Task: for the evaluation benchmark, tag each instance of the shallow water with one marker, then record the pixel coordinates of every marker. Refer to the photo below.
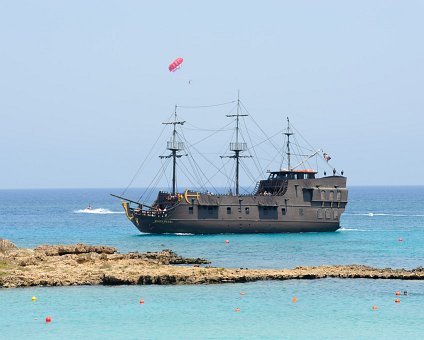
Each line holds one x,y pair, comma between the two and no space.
325,309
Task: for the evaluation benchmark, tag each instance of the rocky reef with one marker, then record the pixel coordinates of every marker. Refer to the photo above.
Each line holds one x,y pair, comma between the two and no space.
81,264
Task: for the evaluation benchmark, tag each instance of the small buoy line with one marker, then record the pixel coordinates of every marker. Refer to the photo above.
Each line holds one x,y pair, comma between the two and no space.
48,318
397,300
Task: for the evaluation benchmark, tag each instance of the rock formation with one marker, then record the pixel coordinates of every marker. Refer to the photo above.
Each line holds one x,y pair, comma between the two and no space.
82,264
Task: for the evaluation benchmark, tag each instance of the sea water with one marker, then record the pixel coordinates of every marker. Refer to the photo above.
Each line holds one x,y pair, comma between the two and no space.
382,227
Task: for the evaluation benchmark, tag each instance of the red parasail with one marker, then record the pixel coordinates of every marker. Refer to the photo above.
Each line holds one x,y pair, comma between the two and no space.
175,64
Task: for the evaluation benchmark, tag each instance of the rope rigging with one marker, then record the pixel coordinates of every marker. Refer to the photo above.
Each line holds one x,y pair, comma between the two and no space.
204,106
201,177
144,161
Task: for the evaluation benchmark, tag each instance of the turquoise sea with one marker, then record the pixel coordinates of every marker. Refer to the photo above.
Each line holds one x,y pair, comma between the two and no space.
382,226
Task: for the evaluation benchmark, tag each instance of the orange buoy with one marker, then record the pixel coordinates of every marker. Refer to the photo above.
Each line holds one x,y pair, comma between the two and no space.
227,241
294,300
237,309
141,302
48,319
397,293
397,300
374,307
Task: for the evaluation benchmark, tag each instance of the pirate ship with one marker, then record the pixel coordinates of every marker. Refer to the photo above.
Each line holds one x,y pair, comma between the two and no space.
292,199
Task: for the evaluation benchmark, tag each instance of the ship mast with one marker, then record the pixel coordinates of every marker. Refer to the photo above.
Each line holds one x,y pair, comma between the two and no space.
174,145
288,133
237,147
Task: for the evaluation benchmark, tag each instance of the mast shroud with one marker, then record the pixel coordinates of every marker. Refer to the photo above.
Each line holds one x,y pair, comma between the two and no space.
237,147
174,145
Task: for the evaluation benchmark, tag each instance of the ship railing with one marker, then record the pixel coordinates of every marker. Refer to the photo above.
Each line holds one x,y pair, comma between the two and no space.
154,213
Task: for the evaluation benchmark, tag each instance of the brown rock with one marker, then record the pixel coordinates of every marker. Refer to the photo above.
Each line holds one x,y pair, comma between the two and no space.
80,264
52,250
6,246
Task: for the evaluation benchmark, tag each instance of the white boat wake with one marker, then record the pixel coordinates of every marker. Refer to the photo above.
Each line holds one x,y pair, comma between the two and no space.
351,229
370,214
98,211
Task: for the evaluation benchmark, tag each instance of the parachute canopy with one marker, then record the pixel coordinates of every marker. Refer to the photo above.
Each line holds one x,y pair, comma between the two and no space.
175,64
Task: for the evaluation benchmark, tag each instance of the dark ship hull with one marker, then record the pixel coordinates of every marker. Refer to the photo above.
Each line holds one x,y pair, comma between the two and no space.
279,206
165,226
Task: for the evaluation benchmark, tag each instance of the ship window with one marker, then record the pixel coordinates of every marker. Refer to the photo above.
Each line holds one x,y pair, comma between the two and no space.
307,195
268,213
335,214
339,195
205,212
322,195
327,213
228,210
247,210
190,210
283,211
320,214
331,195
300,211
300,176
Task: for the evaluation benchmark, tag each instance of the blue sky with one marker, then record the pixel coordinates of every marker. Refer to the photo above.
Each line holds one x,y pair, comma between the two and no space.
84,85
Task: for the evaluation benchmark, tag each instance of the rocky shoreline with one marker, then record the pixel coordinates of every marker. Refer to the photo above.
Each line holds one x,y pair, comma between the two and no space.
80,264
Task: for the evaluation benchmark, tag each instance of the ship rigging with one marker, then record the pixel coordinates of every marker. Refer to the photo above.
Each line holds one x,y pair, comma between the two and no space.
264,206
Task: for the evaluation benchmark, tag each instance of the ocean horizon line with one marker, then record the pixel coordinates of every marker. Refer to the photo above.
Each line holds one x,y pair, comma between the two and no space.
144,188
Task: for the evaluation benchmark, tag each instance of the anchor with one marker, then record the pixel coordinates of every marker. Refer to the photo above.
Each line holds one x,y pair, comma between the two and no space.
192,195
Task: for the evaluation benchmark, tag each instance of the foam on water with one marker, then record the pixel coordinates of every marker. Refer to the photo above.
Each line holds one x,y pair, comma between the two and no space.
371,214
98,211
181,234
351,229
